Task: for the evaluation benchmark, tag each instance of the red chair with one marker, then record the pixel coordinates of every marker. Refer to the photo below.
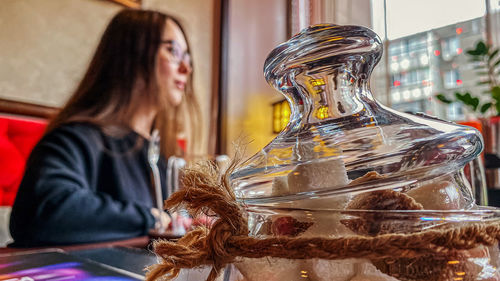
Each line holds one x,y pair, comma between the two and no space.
18,136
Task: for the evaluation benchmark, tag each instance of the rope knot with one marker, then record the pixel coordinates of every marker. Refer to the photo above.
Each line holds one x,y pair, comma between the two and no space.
219,236
204,192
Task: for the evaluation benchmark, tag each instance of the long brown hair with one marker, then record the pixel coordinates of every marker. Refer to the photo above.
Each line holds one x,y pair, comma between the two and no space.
125,56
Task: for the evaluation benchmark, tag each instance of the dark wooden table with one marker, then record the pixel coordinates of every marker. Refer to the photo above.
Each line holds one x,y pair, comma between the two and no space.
142,242
138,242
132,255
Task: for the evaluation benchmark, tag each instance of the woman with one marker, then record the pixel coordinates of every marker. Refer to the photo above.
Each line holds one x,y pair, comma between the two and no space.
88,178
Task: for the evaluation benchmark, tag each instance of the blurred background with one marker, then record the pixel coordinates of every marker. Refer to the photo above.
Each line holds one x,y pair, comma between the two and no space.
46,46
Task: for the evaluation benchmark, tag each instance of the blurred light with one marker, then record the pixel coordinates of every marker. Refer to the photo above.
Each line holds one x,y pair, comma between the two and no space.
396,97
394,66
394,58
427,91
405,64
417,93
424,59
406,95
459,51
397,83
317,82
437,53
281,115
322,112
459,82
459,30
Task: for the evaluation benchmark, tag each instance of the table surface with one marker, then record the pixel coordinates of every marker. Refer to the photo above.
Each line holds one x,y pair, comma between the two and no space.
135,260
138,242
132,255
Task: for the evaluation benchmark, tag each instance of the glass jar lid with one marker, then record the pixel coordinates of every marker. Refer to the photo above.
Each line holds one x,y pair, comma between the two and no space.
337,131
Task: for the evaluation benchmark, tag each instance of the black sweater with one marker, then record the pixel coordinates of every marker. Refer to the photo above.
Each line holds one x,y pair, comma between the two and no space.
82,186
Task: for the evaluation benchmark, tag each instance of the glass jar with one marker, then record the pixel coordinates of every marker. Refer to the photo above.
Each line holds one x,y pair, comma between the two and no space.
386,187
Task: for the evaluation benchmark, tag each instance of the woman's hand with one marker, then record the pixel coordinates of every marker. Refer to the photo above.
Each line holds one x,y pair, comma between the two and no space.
162,220
176,223
181,223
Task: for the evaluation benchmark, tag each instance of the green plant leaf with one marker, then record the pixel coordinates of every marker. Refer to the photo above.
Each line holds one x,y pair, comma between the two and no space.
468,99
460,97
492,55
474,103
482,48
496,63
465,98
485,107
472,52
495,93
442,98
486,92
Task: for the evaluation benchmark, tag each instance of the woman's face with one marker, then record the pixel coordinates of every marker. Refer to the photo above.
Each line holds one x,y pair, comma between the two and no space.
173,64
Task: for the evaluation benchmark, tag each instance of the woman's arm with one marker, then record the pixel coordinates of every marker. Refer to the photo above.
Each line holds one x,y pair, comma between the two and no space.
55,203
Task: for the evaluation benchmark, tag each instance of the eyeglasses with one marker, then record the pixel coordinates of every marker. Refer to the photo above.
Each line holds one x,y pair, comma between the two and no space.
176,55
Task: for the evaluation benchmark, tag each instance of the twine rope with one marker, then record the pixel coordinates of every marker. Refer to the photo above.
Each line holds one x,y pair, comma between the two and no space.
205,192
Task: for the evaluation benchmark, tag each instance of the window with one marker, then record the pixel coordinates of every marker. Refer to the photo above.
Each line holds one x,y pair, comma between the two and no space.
418,43
398,48
396,80
452,79
450,47
423,76
427,40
